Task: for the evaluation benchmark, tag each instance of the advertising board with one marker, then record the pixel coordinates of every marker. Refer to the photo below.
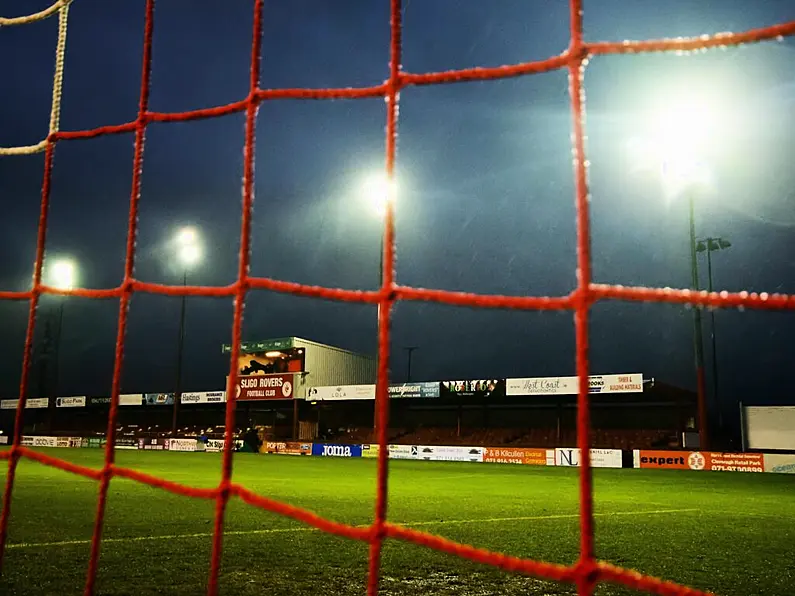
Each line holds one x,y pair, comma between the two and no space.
455,453
92,442
217,445
413,390
31,402
623,383
261,387
340,392
699,460
470,388
43,442
159,399
203,397
131,399
336,450
402,451
600,458
778,463
152,444
286,448
70,402
371,450
125,443
181,445
515,455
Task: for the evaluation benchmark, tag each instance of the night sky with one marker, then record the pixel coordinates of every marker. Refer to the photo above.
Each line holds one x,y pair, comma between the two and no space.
486,198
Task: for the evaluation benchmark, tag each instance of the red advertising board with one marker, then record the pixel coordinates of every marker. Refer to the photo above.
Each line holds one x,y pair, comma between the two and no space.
258,387
701,460
515,455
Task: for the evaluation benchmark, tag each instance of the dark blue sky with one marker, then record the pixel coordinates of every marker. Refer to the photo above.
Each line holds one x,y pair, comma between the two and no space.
485,172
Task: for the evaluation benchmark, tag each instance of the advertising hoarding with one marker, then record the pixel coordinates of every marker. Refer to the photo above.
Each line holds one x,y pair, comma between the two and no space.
31,402
402,451
699,460
286,448
444,453
203,397
131,399
779,463
371,450
600,458
340,392
469,388
414,390
515,455
622,383
159,399
70,402
262,387
152,444
181,445
333,450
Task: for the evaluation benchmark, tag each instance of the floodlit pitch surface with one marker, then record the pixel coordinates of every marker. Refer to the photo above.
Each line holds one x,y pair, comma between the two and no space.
730,533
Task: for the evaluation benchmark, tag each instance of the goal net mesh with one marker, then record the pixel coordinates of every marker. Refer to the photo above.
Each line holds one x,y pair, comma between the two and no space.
588,571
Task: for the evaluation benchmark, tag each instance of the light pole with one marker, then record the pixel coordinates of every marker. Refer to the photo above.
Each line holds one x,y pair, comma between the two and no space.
62,276
710,245
380,191
677,147
188,254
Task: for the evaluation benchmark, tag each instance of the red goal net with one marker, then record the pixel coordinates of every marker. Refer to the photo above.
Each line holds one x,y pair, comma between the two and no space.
587,572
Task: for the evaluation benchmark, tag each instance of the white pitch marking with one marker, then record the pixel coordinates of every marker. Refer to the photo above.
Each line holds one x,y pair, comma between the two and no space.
311,529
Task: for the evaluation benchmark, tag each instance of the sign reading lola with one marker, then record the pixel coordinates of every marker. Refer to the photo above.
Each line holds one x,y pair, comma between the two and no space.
624,383
257,387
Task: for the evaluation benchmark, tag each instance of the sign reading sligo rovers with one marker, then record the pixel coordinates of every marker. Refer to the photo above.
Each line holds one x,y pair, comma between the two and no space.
256,387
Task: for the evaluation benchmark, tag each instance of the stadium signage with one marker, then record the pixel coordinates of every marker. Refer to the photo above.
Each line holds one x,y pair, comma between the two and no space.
413,390
469,388
516,455
700,460
36,402
336,450
442,453
131,399
203,397
257,387
159,399
779,463
70,402
600,458
341,392
181,445
623,383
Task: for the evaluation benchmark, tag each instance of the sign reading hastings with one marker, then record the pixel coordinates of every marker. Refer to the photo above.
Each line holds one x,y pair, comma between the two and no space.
257,387
623,383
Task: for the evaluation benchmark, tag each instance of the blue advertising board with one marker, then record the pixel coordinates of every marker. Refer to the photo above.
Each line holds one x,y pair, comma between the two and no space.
411,390
159,399
336,450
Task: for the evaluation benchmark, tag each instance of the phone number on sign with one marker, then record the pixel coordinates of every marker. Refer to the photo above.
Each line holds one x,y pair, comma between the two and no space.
726,468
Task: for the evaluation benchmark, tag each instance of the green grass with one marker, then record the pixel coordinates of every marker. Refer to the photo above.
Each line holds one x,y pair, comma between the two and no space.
733,534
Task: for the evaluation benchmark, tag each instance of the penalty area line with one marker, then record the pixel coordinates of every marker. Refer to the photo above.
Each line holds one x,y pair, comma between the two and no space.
488,520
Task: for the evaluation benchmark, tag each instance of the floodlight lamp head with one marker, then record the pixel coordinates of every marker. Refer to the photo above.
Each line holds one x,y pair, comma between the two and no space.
63,274
380,190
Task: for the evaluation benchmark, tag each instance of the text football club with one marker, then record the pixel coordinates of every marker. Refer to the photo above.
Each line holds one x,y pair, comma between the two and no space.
256,387
336,450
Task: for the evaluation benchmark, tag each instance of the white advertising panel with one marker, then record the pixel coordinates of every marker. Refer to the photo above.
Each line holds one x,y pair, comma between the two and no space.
600,458
770,427
43,442
778,463
131,399
182,445
203,397
340,392
70,402
217,445
623,383
403,451
36,402
456,453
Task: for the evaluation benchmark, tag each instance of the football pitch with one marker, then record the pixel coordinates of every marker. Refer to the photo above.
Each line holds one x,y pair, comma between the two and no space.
731,533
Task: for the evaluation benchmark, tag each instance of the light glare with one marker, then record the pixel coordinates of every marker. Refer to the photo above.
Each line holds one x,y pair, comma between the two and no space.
63,274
